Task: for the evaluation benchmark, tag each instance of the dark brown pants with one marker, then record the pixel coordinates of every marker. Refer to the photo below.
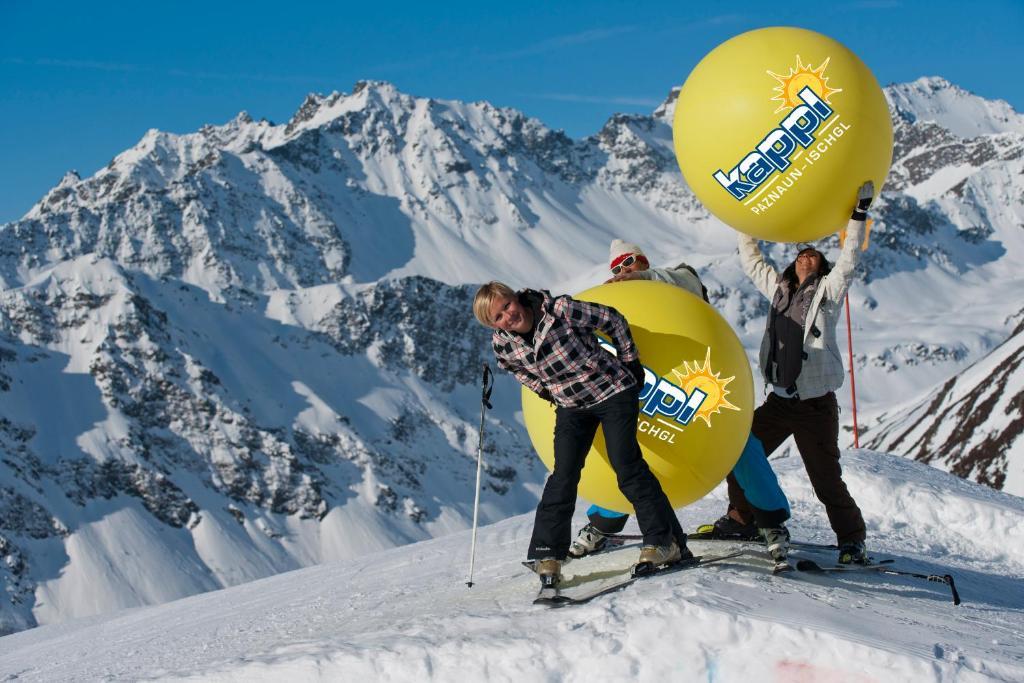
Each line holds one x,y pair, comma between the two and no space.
814,424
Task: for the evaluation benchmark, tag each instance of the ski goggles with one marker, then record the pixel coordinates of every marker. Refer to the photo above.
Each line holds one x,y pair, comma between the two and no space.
628,261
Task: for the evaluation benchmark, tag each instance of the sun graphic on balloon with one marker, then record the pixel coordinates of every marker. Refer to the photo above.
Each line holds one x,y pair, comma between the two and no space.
701,377
796,80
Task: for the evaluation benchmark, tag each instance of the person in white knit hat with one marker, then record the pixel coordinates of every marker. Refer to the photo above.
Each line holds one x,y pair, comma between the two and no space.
628,262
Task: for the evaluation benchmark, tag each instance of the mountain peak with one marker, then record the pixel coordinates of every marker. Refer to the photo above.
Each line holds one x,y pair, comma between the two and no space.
963,113
70,178
935,84
667,109
384,87
379,93
317,109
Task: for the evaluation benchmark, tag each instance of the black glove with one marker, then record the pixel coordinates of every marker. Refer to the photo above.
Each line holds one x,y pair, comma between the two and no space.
546,395
865,194
637,370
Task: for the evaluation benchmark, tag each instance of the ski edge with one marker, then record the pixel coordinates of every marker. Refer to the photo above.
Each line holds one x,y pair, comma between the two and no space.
884,567
560,600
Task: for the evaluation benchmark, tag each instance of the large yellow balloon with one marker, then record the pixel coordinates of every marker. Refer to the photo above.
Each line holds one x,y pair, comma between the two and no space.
775,130
696,407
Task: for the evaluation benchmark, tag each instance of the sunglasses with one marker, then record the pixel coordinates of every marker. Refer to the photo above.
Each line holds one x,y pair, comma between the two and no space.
626,262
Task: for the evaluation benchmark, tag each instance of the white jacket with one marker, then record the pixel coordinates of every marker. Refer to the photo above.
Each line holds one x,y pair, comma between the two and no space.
680,276
822,370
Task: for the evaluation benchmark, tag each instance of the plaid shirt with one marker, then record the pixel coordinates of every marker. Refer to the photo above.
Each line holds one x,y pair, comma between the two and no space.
565,357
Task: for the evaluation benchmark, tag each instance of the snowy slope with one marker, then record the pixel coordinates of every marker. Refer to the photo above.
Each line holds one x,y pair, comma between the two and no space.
249,349
157,444
406,614
971,425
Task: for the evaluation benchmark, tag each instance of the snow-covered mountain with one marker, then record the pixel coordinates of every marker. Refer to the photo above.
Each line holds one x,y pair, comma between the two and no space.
405,614
249,348
970,424
955,109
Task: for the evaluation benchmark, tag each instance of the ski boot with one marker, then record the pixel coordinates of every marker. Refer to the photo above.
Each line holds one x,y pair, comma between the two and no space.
853,553
655,557
589,540
777,541
725,527
550,572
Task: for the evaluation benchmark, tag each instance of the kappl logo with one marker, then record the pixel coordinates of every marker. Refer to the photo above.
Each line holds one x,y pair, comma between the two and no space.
667,404
804,93
774,151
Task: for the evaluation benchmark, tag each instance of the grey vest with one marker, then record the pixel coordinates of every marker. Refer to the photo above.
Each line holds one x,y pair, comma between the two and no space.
786,331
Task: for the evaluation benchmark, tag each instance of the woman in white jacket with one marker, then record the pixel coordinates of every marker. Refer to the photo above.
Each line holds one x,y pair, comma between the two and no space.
802,365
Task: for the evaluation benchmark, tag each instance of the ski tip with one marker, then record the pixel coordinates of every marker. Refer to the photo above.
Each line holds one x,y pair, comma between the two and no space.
642,569
553,601
703,531
808,566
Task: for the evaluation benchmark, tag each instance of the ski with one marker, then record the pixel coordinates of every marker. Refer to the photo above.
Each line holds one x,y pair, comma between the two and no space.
562,599
707,532
611,545
812,566
545,594
883,567
780,567
699,535
704,533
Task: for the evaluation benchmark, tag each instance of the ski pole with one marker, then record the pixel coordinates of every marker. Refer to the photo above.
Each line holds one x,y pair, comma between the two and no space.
853,381
937,578
485,404
849,335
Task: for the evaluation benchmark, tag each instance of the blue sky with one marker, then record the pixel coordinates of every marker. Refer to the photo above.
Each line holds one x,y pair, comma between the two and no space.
80,82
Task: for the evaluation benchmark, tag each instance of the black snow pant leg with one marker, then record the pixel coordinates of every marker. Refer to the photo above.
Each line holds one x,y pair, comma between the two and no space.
654,514
574,433
817,440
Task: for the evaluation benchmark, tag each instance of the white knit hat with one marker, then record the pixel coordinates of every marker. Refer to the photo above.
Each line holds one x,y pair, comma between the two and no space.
620,249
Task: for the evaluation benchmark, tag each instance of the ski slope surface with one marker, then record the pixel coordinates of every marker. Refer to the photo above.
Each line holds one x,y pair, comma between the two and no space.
406,613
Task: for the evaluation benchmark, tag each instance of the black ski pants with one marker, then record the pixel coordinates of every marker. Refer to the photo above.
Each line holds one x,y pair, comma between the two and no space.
814,425
575,429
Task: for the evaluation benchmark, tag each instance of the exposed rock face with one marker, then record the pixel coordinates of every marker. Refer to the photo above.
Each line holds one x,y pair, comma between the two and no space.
972,425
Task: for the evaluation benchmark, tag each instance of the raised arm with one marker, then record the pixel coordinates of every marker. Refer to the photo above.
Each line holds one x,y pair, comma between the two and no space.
838,281
760,272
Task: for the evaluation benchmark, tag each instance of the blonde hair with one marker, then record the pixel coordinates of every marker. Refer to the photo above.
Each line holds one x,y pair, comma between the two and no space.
485,296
